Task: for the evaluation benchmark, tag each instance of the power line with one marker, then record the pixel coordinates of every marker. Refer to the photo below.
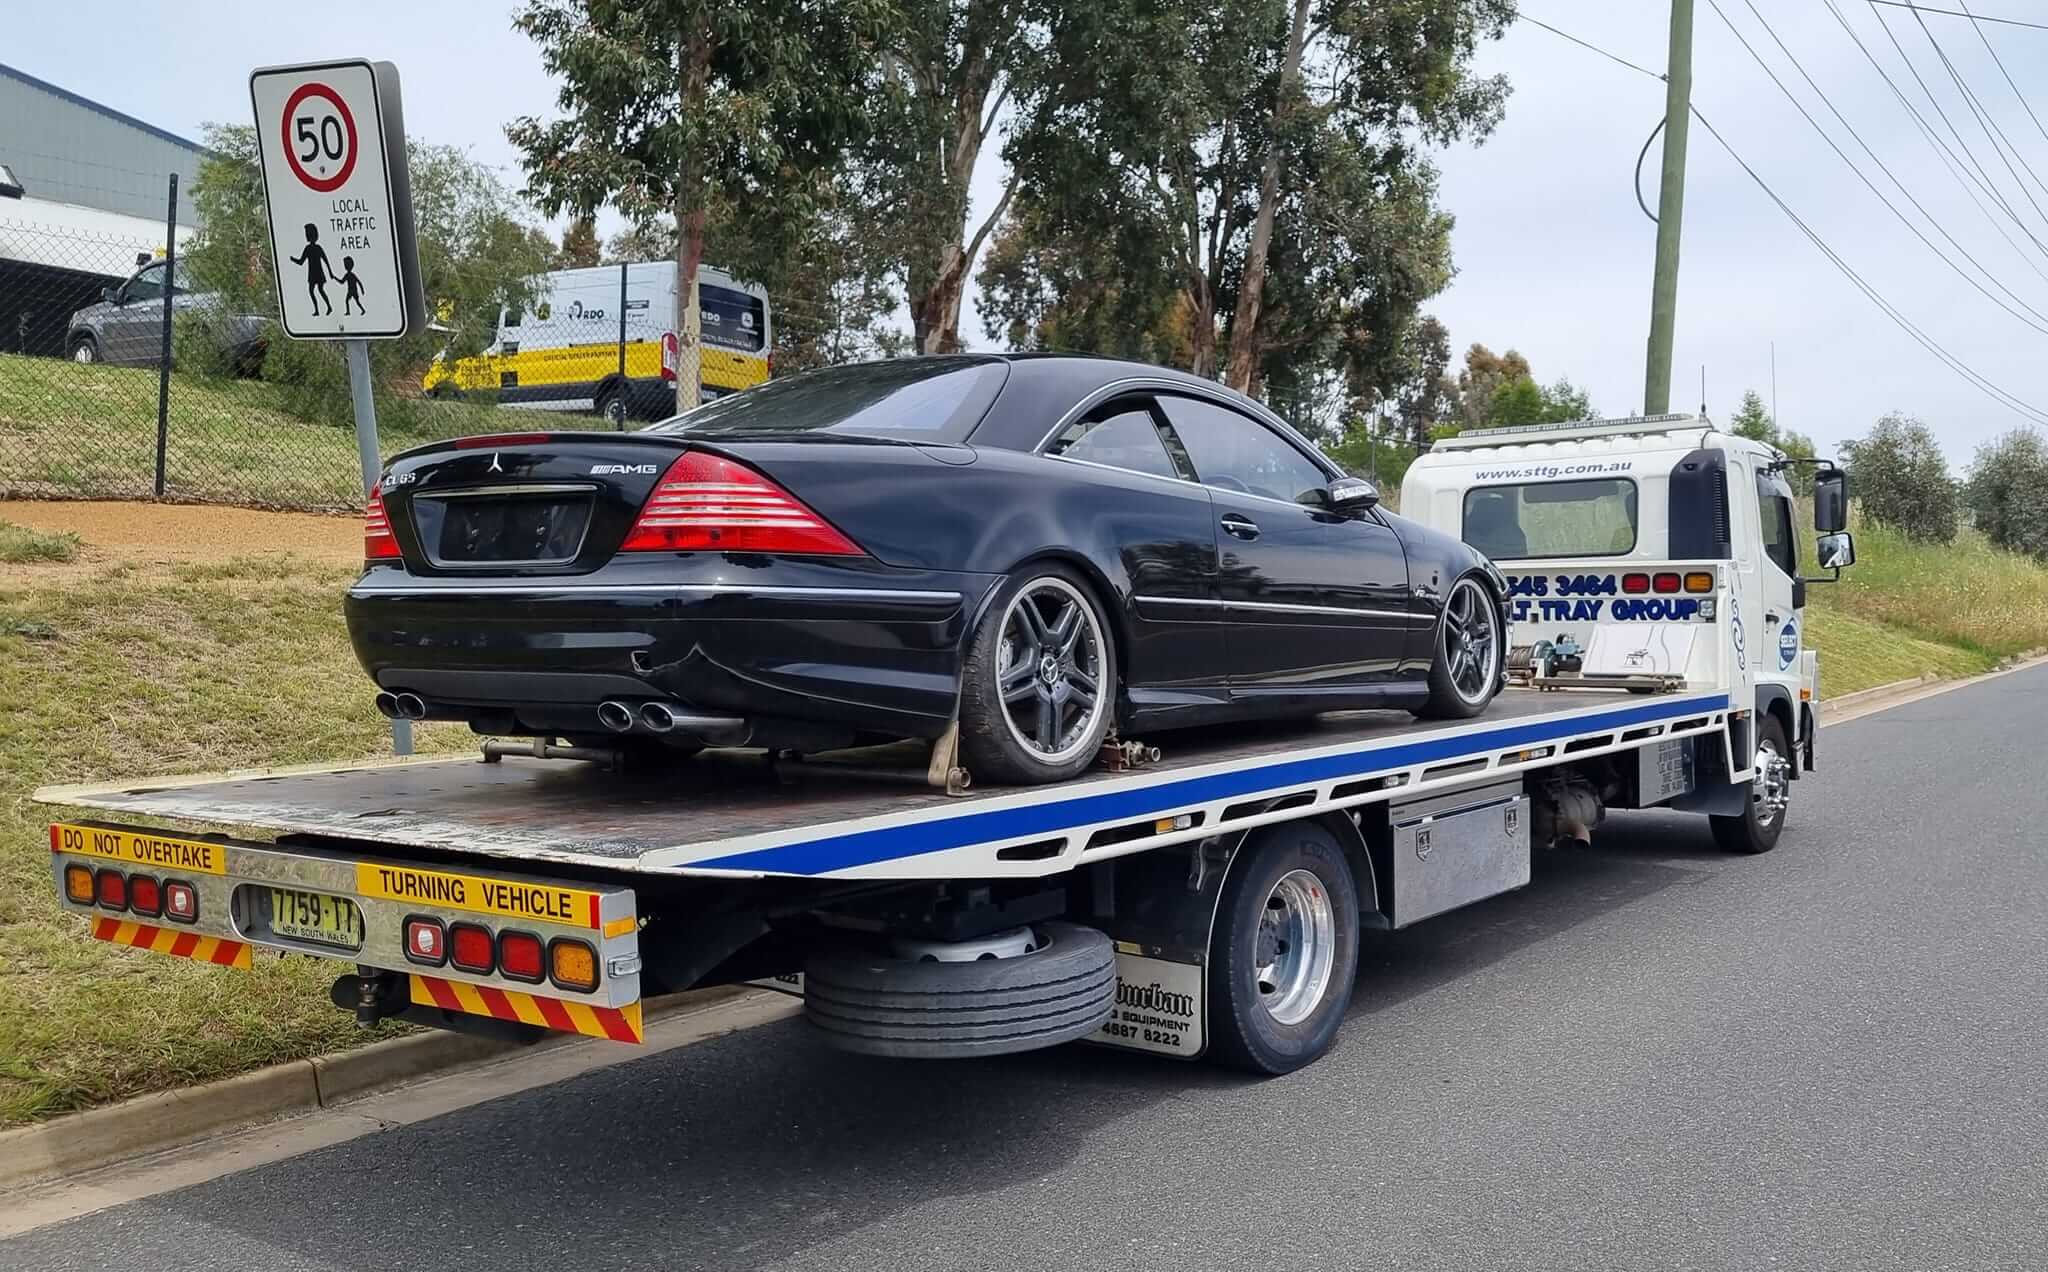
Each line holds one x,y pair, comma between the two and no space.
1865,179
1593,47
2000,63
1953,13
1992,132
2011,402
1942,151
1989,389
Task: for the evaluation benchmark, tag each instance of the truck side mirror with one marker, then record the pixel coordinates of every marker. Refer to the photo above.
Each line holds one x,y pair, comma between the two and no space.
1830,501
1835,551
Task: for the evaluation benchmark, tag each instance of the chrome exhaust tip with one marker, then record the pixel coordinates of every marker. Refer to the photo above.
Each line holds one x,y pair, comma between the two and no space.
616,716
387,704
658,717
410,706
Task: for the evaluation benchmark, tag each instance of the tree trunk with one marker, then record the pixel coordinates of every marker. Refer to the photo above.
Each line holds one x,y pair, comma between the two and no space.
1244,340
1201,330
689,319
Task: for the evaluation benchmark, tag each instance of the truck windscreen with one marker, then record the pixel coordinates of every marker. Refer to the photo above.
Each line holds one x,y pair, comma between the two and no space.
1552,519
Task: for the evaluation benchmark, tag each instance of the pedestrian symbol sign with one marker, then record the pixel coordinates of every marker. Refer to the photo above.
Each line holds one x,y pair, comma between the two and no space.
331,139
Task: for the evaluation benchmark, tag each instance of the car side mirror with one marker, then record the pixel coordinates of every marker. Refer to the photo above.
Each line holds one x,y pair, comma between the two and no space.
1835,551
1352,494
110,296
1830,501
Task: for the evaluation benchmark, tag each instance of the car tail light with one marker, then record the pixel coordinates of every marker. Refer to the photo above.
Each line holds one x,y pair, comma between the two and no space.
572,965
471,949
112,889
1635,584
426,941
520,957
707,503
378,541
1699,582
1665,583
145,896
78,885
181,901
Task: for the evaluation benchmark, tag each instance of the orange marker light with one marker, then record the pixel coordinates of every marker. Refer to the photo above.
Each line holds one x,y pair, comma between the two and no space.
78,884
572,965
1699,582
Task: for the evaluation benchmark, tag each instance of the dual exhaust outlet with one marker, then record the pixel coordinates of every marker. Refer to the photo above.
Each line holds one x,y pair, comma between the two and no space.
401,706
662,717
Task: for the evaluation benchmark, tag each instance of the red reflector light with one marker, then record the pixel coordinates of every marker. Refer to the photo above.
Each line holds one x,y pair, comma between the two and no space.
520,956
471,949
145,896
181,901
378,542
112,888
1635,584
1665,583
501,439
707,503
426,941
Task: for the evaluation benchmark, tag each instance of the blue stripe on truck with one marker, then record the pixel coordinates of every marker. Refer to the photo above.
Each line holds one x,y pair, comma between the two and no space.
1058,816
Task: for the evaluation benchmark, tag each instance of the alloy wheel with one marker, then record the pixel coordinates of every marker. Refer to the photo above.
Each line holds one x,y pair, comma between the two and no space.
1470,641
1049,670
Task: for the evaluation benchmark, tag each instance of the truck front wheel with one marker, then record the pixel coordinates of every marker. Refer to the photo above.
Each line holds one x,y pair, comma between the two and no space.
1757,829
1285,950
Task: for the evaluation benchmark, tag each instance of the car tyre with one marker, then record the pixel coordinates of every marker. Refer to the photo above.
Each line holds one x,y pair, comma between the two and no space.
1466,653
1755,830
1284,954
886,1005
1038,690
608,402
86,349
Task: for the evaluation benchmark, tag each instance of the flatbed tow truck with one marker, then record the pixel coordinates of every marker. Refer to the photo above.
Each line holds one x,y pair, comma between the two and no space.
1207,902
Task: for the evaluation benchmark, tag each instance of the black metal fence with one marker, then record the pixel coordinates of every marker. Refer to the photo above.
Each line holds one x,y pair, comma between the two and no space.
90,407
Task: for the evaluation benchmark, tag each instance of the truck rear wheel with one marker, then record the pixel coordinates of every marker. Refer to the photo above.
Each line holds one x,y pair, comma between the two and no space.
1061,988
1757,829
1284,951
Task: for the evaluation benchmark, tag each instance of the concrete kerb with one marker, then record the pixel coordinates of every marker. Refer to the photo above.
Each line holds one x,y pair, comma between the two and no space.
152,1123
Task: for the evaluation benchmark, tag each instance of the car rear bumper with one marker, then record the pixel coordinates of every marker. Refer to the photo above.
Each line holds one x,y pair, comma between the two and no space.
880,656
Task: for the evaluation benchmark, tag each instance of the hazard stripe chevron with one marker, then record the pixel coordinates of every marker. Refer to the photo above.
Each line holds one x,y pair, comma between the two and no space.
200,949
620,1024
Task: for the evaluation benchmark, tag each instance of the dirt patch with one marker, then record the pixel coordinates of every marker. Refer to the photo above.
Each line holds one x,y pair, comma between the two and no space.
163,534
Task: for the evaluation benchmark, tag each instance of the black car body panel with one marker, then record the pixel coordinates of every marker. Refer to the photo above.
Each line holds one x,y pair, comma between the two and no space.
513,607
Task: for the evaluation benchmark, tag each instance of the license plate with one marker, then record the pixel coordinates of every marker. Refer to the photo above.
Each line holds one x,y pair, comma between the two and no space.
315,916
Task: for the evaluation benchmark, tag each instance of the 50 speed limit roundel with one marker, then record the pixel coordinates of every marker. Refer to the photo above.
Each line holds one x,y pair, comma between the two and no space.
319,137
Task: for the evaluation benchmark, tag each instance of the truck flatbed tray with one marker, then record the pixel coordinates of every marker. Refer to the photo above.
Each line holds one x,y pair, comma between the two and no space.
734,815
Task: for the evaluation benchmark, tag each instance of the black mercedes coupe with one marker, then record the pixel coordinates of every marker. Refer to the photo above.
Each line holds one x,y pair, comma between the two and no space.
1051,551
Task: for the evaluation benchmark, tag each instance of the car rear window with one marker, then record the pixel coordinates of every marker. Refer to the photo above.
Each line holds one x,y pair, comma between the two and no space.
927,399
1552,519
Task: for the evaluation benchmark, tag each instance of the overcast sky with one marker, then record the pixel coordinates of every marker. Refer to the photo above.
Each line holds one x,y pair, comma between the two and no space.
1553,255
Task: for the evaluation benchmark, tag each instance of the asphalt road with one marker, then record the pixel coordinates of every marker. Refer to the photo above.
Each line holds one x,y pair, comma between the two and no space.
1656,1056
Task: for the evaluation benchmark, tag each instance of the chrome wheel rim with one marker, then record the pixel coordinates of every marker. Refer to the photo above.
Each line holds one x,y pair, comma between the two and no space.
1049,670
83,353
1296,947
1470,641
1771,789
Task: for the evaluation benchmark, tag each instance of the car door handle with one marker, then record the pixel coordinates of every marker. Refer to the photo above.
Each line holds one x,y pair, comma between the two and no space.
1240,527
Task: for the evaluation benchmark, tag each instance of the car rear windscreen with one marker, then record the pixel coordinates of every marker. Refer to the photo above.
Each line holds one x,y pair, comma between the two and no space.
1552,519
923,399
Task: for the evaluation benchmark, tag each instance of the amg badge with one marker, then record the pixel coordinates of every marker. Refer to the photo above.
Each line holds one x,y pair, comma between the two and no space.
606,470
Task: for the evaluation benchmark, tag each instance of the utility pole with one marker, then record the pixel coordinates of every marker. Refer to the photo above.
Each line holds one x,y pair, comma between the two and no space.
1670,211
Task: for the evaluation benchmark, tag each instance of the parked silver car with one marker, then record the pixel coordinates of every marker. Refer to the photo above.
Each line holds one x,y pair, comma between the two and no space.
126,326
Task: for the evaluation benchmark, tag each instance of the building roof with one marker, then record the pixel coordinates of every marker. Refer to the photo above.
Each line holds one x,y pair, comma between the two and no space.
75,99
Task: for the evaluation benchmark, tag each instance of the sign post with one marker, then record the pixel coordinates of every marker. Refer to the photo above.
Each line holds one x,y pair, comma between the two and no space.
331,140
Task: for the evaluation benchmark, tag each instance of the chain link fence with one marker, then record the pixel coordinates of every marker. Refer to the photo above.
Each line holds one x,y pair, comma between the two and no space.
241,414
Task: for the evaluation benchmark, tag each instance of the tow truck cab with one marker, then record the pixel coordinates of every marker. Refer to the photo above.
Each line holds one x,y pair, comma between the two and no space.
1622,539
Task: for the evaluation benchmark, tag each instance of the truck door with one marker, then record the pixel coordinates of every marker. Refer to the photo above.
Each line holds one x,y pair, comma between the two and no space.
1775,656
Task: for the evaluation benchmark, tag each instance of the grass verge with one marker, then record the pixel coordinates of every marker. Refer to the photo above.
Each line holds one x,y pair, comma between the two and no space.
1908,609
20,545
132,671
71,429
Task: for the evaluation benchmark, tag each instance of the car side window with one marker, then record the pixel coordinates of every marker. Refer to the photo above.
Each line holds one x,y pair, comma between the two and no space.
1774,512
148,285
1232,451
1121,434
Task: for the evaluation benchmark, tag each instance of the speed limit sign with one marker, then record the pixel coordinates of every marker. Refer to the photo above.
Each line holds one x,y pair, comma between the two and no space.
331,137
